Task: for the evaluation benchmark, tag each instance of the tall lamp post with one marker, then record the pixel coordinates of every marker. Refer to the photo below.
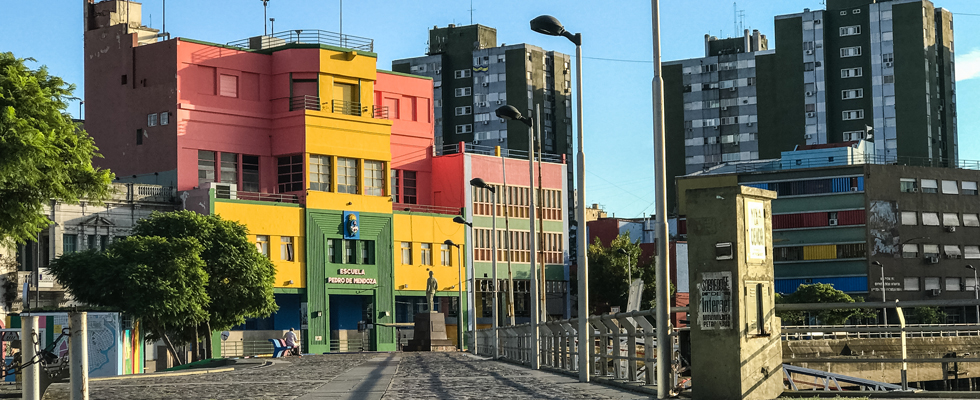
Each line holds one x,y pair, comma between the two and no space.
629,267
884,311
976,291
459,289
471,288
479,183
549,25
511,113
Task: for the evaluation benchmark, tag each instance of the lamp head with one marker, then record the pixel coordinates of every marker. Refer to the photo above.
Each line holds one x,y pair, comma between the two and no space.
550,26
459,220
623,251
450,243
478,182
971,267
511,112
876,263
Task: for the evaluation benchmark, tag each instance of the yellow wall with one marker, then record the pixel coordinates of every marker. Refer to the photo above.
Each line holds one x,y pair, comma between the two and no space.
825,252
427,228
276,222
686,184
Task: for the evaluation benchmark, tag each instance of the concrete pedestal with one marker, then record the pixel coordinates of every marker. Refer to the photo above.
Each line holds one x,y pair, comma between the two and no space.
430,334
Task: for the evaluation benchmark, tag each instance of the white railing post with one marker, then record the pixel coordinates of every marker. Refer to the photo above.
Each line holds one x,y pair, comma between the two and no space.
614,335
597,324
627,322
648,335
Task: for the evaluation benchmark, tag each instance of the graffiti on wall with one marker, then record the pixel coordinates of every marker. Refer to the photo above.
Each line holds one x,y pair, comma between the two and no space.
883,226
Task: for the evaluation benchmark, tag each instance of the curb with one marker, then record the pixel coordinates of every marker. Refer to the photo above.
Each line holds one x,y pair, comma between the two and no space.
161,375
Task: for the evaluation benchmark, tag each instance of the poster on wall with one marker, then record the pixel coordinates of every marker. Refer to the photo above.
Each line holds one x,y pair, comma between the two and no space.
755,230
715,308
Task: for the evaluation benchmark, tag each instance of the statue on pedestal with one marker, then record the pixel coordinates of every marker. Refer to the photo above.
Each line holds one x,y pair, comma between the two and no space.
430,291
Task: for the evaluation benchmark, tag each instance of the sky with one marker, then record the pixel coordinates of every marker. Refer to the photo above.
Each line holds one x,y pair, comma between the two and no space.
617,54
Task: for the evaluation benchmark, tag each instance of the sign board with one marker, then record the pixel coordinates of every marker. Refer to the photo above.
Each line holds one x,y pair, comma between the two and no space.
225,335
352,220
715,308
755,229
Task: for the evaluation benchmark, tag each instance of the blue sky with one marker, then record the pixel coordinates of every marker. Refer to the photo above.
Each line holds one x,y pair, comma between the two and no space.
617,94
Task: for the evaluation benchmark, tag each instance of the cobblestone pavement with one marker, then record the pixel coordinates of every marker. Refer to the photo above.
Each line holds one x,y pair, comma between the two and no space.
384,376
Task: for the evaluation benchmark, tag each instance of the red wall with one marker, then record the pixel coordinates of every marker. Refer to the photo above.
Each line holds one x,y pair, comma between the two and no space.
409,105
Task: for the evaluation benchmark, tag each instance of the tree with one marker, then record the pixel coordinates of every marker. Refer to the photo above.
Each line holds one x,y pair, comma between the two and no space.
240,280
608,276
159,281
929,315
44,154
820,293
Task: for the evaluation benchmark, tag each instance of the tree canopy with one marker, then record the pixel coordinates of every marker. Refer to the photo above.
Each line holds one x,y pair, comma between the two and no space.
45,155
608,276
821,293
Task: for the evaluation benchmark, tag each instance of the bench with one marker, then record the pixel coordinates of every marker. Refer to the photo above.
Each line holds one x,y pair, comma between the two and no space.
279,348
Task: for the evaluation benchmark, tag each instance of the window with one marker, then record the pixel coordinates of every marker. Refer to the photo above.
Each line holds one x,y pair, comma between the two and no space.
464,110
228,86
346,175
366,247
464,91
463,73
229,168
888,58
971,220
286,249
971,252
952,284
854,135
969,188
394,185
407,253
930,250
910,250
852,94
331,255
93,241
465,128
908,185
932,283
70,243
970,284
853,115
445,255
808,66
205,166
349,256
290,173
250,173
850,31
139,136
951,219
908,218
320,173
374,178
810,108
851,72
165,118
426,254
262,244
850,51
930,186
952,251
151,120
930,219
911,284
409,184
888,79
949,187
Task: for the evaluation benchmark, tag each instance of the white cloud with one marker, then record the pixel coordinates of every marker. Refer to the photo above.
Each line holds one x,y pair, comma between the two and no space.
968,65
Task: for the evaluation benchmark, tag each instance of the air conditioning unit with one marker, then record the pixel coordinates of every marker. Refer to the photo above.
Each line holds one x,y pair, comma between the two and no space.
932,260
933,292
811,115
955,256
748,124
724,109
502,140
476,141
486,122
950,229
816,22
485,84
889,64
716,127
733,88
832,222
915,190
500,102
809,52
808,136
222,190
854,189
808,94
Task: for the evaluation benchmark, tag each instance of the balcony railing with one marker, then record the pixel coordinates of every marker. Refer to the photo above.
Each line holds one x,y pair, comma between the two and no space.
270,197
347,107
304,103
305,36
380,112
426,209
491,150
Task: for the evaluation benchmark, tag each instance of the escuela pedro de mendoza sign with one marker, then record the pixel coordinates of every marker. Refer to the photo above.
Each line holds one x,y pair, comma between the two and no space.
352,281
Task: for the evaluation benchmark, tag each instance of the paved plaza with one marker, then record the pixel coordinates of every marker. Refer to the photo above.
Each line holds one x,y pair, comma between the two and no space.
387,376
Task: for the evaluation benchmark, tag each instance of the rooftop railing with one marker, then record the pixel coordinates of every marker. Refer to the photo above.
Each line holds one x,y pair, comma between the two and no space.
789,163
305,36
491,151
426,209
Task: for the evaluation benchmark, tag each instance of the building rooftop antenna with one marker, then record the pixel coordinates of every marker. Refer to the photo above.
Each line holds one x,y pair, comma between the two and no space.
471,12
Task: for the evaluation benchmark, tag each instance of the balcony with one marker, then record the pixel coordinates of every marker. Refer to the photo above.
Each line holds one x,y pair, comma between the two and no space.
304,103
491,151
426,209
305,36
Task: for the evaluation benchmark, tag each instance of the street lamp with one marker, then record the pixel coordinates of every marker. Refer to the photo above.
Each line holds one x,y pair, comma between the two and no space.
629,269
510,112
459,289
470,290
976,293
884,311
549,25
479,183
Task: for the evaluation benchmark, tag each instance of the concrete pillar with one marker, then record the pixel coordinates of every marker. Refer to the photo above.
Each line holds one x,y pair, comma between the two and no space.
32,373
735,348
78,354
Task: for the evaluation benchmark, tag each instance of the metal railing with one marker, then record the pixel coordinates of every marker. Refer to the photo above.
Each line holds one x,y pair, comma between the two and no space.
143,192
831,332
426,209
829,160
492,151
270,197
305,36
245,348
305,102
349,345
379,112
347,107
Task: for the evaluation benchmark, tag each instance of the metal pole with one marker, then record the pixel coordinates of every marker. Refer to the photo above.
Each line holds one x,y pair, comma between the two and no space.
265,17
32,373
884,311
471,291
459,287
78,355
664,348
535,309
510,255
542,287
976,294
584,352
493,263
